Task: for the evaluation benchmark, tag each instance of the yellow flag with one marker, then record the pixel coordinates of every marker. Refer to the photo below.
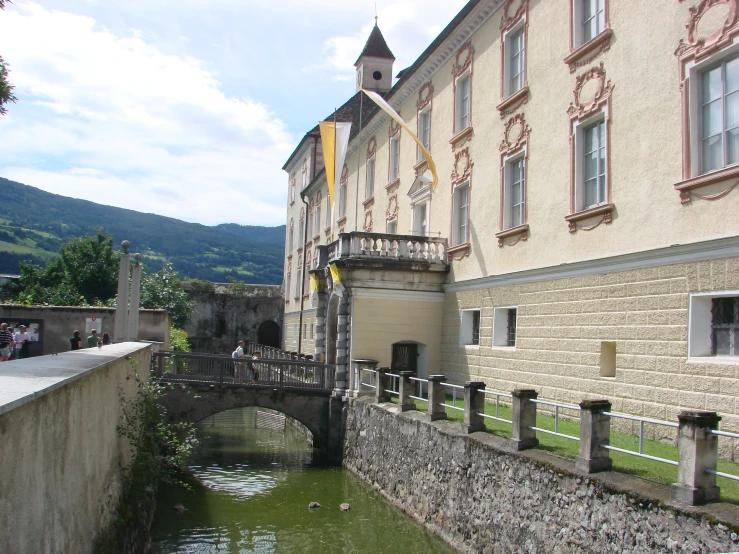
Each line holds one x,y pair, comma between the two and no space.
388,109
328,139
313,282
335,273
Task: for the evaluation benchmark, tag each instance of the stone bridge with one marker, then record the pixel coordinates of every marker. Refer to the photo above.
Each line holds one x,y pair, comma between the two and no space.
302,390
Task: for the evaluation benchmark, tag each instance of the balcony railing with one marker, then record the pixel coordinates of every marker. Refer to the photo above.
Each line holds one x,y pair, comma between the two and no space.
389,247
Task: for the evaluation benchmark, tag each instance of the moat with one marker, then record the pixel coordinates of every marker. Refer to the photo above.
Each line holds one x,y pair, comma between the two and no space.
250,493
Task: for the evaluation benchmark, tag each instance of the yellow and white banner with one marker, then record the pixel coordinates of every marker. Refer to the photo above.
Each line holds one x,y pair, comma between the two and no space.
336,277
387,108
335,141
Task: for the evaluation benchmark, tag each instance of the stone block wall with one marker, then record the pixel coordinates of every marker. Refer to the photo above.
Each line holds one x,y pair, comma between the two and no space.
291,331
481,496
561,324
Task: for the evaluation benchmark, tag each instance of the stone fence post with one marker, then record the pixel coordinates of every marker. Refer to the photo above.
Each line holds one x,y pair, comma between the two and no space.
474,403
405,390
524,418
437,395
697,452
595,430
382,384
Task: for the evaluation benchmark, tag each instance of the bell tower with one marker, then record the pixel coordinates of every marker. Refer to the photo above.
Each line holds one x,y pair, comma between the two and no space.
375,64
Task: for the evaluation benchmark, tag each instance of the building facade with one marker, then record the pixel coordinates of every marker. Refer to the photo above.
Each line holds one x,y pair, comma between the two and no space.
583,239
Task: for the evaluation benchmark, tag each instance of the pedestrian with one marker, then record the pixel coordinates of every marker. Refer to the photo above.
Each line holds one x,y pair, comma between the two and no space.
255,367
6,342
238,354
76,340
21,340
93,340
107,339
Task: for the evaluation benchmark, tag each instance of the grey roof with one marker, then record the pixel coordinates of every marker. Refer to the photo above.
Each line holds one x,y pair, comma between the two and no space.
376,47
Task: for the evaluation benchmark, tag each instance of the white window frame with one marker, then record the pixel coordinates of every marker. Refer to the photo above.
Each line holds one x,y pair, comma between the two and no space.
415,207
699,327
369,188
578,9
394,223
424,131
580,128
457,239
518,157
342,200
459,125
309,224
466,327
508,86
394,160
500,327
317,219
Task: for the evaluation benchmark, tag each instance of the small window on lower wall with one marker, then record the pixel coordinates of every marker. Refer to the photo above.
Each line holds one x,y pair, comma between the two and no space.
469,334
607,359
714,325
504,327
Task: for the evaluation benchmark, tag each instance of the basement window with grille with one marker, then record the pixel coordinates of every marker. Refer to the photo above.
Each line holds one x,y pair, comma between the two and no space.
714,326
469,334
504,327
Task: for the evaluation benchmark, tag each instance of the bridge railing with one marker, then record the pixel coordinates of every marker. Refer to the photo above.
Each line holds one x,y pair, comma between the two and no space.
225,370
275,353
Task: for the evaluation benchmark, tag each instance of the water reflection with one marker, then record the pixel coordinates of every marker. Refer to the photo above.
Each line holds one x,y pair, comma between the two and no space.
251,493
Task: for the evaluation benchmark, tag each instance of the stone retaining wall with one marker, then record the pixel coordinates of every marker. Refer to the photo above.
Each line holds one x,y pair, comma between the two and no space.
481,496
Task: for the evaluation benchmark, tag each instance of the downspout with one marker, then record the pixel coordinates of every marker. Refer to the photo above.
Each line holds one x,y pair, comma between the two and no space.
302,275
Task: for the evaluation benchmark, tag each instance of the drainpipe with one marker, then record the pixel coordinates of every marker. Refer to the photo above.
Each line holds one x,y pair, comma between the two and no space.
302,275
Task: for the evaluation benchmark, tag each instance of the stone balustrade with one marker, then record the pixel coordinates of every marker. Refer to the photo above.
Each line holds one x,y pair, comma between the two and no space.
382,246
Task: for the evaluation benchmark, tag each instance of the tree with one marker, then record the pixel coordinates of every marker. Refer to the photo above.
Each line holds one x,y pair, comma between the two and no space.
6,89
164,290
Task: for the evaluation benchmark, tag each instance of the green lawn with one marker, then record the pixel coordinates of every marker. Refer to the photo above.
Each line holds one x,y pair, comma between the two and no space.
625,463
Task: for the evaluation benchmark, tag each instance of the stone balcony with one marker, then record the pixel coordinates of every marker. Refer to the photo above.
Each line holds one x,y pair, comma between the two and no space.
403,251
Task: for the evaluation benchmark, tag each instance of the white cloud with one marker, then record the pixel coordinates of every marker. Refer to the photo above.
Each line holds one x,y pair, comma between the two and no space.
111,118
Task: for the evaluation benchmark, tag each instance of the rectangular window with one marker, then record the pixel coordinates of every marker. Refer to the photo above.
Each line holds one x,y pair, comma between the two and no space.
469,333
394,158
318,221
462,104
719,114
515,49
594,165
392,227
290,242
593,19
297,285
725,326
420,219
310,224
504,327
424,131
287,286
301,233
342,200
515,193
369,190
461,214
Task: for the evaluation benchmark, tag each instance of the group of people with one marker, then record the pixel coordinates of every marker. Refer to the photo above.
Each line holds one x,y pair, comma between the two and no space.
248,369
92,341
11,344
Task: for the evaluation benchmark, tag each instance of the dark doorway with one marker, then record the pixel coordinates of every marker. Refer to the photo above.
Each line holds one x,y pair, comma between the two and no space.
268,334
405,357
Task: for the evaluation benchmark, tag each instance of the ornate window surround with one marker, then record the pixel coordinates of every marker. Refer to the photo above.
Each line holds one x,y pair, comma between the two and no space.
343,184
317,221
293,185
461,175
583,54
696,53
511,23
371,154
461,69
515,142
582,111
425,102
392,132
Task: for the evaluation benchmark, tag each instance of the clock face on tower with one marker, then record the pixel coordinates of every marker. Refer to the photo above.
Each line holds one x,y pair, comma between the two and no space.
377,75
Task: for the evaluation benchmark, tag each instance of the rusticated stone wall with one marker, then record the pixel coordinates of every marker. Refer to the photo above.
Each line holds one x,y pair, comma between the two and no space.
481,496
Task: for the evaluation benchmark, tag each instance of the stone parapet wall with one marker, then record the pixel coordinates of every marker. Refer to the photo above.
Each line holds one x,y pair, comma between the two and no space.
481,496
561,323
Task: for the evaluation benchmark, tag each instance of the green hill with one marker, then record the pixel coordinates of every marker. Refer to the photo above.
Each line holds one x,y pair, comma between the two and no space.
34,223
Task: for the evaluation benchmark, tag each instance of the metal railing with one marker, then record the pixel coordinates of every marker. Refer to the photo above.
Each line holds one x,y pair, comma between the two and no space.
556,407
372,380
642,421
454,389
421,383
719,433
222,370
394,384
498,396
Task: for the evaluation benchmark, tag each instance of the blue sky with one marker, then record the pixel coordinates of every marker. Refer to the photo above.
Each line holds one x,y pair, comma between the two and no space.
185,108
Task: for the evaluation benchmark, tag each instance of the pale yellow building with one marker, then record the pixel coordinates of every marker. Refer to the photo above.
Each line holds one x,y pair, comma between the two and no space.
583,239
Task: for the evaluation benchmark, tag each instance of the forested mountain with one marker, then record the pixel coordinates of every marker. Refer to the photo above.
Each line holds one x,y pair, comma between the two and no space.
34,223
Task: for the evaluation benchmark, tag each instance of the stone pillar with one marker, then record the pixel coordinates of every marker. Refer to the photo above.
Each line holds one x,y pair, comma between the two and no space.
405,390
697,452
382,384
357,367
595,429
524,417
320,348
121,309
342,346
474,403
133,309
437,395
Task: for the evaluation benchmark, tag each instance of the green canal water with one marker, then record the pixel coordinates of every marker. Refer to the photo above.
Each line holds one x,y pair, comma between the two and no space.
251,491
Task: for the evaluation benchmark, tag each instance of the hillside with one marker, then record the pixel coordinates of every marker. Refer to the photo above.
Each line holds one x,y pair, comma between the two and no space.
34,223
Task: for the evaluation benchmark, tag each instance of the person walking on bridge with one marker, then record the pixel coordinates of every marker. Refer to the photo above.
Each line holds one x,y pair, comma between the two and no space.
238,354
6,342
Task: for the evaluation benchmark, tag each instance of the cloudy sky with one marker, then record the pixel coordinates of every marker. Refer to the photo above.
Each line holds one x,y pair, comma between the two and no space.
185,108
